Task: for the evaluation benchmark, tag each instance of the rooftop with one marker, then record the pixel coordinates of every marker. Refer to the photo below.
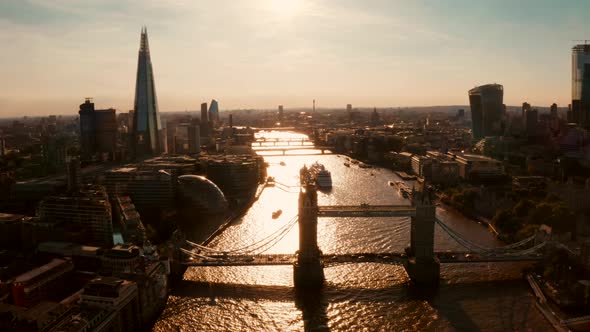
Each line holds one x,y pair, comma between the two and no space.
54,263
485,87
6,218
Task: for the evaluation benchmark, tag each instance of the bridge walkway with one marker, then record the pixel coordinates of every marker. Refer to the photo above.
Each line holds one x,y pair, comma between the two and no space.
352,258
365,210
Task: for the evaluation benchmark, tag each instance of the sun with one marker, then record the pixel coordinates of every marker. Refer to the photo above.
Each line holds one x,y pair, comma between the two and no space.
285,7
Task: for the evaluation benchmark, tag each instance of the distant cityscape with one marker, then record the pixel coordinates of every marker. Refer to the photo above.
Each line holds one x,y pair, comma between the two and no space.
101,211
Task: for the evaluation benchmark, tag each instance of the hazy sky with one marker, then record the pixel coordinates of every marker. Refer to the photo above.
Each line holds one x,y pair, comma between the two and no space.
261,53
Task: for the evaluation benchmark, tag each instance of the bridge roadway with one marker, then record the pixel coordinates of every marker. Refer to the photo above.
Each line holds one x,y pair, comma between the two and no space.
365,210
281,151
353,258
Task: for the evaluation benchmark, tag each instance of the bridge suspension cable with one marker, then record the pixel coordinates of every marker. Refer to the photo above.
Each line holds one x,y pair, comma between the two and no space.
279,233
507,250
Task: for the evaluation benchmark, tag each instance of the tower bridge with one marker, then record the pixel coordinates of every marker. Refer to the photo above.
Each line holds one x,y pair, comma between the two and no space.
420,260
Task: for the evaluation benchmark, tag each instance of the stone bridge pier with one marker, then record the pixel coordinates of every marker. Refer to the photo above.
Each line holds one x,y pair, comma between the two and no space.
308,269
422,266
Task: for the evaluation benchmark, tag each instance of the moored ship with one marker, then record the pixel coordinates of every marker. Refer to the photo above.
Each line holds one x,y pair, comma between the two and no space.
323,177
402,189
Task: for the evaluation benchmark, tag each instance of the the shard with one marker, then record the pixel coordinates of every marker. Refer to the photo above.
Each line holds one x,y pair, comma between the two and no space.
146,118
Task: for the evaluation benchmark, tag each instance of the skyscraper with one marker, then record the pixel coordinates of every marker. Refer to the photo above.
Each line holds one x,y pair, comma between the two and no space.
214,113
531,122
146,119
581,85
486,103
280,113
204,122
553,111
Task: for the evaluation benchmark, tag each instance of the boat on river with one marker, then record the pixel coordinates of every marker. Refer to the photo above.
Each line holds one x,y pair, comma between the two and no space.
323,177
277,214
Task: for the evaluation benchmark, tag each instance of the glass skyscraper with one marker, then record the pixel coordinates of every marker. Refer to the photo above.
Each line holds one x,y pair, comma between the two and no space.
581,85
214,112
146,118
487,110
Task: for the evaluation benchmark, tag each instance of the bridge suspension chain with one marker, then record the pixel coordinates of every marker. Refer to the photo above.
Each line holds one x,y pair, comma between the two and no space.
246,246
261,248
279,233
508,250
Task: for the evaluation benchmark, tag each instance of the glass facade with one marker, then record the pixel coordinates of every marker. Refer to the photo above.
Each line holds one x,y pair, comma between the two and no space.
214,112
146,121
487,110
581,85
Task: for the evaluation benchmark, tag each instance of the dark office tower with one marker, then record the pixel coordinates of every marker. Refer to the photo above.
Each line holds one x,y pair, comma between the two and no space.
553,111
569,115
194,139
581,85
231,121
532,120
87,130
146,119
280,113
204,121
525,107
98,132
73,174
486,103
214,113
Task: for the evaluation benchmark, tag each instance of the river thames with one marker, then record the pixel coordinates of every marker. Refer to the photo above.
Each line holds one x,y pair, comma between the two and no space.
356,297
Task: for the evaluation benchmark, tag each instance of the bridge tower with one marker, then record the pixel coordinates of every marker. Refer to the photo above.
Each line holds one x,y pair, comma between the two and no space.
308,270
422,265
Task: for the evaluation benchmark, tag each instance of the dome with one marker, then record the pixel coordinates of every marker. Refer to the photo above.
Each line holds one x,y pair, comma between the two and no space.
200,195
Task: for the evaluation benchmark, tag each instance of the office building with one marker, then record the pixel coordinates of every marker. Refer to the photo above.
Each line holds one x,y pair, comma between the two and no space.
581,85
146,117
42,282
525,107
486,103
194,139
280,113
121,259
214,113
86,211
237,176
204,123
553,111
73,174
531,122
478,167
128,217
151,190
118,296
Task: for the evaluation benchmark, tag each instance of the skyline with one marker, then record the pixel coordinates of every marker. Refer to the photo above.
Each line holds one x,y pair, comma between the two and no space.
418,54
